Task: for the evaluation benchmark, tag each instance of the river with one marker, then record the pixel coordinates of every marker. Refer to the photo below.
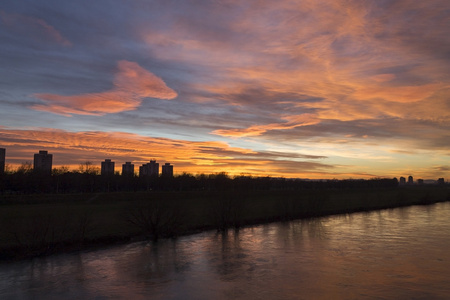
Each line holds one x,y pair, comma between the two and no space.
401,253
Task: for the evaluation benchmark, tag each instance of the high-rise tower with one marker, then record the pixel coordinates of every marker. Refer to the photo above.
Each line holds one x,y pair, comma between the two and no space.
149,169
43,162
2,160
167,170
128,169
107,167
410,180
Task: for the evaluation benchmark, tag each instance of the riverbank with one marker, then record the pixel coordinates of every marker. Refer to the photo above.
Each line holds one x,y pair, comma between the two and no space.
43,224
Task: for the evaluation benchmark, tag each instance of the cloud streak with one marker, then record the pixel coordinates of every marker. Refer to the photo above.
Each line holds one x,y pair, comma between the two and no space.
256,130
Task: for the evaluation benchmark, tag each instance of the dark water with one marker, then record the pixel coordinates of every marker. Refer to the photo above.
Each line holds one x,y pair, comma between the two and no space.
391,254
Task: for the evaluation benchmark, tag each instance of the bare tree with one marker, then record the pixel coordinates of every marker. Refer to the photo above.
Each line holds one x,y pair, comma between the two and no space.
155,218
25,167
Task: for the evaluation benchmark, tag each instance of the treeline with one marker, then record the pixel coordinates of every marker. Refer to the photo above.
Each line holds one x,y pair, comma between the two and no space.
88,180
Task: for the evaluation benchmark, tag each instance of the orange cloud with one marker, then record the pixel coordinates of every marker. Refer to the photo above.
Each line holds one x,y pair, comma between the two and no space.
30,26
256,130
73,148
132,83
383,77
329,51
402,94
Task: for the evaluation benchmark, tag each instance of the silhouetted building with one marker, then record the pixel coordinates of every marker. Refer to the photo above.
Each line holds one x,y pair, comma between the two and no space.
402,181
128,169
149,169
43,162
107,167
167,170
420,181
440,181
2,160
410,180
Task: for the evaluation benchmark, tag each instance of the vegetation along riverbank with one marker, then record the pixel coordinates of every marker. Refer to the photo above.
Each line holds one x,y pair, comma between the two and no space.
41,224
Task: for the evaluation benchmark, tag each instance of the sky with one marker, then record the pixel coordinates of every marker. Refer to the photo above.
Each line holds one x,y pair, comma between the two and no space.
296,89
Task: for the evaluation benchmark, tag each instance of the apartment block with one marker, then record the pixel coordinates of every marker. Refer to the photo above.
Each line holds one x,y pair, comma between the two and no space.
2,160
43,162
167,170
107,167
149,169
127,169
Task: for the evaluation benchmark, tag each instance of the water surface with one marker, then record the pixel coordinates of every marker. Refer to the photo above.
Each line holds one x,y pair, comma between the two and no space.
391,254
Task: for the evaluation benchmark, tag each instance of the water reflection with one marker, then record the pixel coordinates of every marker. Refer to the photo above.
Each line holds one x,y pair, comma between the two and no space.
230,261
390,254
155,261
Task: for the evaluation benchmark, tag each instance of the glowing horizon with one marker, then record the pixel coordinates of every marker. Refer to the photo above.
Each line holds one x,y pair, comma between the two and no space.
304,89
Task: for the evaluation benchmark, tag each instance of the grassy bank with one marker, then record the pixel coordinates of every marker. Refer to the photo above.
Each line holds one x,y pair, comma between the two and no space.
33,225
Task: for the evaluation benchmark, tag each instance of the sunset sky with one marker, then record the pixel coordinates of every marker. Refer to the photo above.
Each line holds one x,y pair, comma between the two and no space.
305,88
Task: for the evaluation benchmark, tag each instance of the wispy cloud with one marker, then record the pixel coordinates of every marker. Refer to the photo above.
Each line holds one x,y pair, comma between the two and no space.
255,130
33,28
344,54
363,83
132,83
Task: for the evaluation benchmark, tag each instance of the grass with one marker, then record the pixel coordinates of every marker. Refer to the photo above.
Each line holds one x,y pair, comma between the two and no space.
33,225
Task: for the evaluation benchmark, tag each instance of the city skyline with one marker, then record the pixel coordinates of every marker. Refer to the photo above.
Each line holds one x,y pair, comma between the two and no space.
295,89
43,162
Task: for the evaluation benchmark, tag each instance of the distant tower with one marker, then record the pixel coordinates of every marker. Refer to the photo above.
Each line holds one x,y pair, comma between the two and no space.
43,162
128,169
2,160
149,169
410,180
107,167
441,181
402,180
167,170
